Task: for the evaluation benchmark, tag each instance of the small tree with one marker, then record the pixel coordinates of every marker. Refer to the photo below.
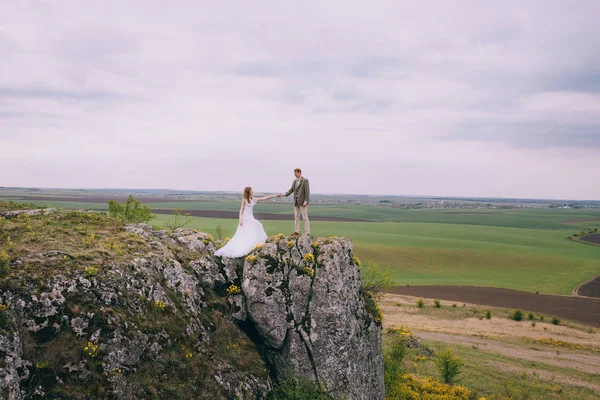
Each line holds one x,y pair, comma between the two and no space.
131,211
219,232
179,219
449,365
517,315
375,279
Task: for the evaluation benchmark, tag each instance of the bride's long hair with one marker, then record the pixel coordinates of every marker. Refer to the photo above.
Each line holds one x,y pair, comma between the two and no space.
247,194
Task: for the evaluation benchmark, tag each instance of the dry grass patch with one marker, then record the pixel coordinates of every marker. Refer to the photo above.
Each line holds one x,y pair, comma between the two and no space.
65,242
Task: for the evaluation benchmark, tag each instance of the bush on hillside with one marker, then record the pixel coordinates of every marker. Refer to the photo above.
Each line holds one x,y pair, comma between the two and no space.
392,360
517,315
178,219
449,365
375,280
412,387
131,211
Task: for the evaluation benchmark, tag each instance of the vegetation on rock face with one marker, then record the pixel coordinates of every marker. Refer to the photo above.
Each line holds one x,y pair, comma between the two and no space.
298,389
89,309
131,211
374,282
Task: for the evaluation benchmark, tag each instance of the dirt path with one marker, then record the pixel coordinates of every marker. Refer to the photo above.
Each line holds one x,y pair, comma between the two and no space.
544,375
589,288
579,362
581,309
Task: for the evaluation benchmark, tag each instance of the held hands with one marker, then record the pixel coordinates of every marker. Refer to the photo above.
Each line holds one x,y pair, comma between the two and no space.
280,194
304,204
241,223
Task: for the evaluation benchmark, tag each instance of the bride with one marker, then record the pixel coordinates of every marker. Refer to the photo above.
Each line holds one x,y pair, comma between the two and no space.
249,232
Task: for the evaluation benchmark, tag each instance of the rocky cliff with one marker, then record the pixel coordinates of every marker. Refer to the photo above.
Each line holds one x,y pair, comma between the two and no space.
93,309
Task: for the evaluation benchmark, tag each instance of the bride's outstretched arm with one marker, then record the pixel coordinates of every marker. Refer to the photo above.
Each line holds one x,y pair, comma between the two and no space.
242,211
265,198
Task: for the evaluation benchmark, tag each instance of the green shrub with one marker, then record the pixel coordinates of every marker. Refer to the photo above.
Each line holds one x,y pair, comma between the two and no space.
555,321
392,360
298,389
517,315
3,259
488,314
454,305
530,316
420,303
131,211
375,279
437,304
449,365
374,283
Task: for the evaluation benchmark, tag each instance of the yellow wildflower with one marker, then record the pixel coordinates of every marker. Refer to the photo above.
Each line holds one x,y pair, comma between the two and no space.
290,244
233,289
92,349
251,259
309,258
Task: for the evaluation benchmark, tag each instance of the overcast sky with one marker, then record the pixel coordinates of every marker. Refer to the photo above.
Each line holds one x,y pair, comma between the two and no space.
448,98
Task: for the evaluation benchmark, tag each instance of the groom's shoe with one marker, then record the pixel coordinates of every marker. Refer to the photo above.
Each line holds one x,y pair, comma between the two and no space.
295,234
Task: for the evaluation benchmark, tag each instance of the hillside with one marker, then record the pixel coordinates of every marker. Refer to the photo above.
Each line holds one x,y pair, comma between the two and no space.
93,308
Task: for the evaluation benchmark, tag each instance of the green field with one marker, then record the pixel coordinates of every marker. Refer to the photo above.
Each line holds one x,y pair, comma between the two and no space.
524,249
456,254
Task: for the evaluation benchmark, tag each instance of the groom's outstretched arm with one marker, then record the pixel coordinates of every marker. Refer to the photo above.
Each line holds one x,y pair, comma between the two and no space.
290,191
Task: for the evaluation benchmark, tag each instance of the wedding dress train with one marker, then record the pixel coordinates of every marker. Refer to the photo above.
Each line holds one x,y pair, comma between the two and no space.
246,236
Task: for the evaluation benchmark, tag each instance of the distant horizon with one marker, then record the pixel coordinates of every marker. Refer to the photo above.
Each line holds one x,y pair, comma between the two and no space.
314,193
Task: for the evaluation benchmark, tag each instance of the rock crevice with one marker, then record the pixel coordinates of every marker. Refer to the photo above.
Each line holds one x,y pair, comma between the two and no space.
303,299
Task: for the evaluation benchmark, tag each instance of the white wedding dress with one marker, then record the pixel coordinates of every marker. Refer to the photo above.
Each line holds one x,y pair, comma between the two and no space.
246,236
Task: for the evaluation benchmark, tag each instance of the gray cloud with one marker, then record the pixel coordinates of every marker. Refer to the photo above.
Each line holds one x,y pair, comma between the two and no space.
417,97
49,93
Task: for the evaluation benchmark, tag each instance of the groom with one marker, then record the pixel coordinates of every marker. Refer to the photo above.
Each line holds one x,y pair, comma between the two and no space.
301,190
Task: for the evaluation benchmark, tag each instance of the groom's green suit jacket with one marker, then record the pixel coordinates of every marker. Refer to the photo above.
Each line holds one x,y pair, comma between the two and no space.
301,192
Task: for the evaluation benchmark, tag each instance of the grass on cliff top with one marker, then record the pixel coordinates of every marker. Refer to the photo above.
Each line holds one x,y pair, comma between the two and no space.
63,242
95,243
